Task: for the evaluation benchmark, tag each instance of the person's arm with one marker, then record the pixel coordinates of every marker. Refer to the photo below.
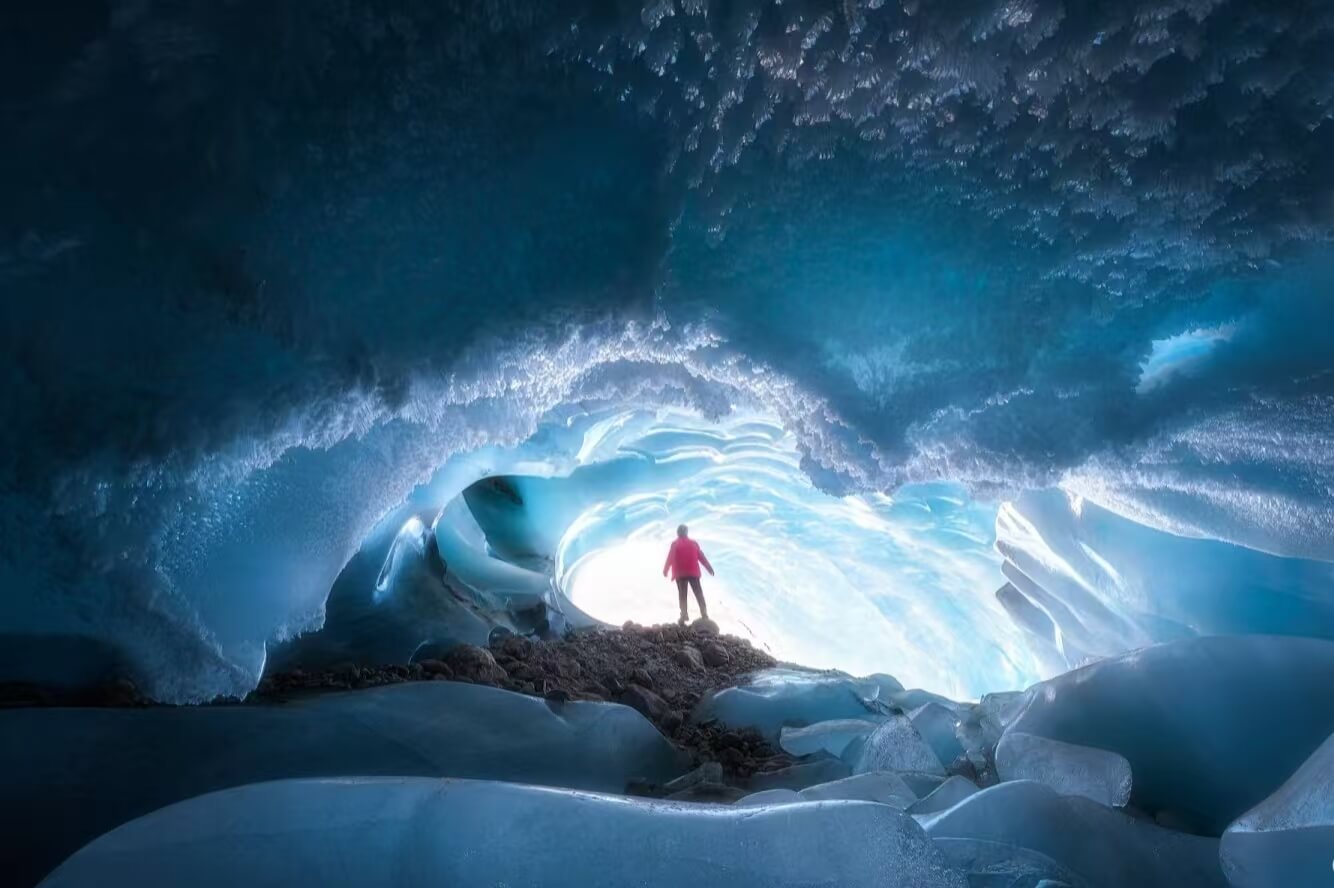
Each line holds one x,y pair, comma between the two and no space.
704,561
668,563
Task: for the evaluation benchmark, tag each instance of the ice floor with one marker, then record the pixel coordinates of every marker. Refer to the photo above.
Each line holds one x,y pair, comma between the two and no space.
1202,762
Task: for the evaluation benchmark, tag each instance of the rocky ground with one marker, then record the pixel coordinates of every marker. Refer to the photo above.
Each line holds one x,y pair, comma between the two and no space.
662,671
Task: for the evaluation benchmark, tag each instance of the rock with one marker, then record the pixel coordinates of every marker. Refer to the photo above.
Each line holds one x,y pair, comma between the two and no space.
672,720
715,655
648,703
688,657
705,626
471,663
345,669
435,667
709,772
642,678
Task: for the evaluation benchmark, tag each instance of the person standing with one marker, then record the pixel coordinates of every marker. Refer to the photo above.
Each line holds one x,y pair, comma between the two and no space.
683,560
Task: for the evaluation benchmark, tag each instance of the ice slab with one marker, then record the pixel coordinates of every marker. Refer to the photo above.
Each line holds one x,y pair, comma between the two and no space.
945,796
1210,726
885,787
1288,839
778,698
1105,847
800,776
72,774
895,745
937,725
1067,768
391,832
769,797
832,736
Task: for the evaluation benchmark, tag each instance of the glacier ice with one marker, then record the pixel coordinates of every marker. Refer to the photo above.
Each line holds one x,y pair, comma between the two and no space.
75,773
895,745
1210,726
1069,769
885,787
1288,839
769,797
1105,847
998,865
1104,584
945,796
938,725
801,775
831,736
779,698
410,831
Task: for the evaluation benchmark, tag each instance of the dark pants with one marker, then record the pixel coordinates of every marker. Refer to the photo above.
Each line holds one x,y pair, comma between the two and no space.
693,583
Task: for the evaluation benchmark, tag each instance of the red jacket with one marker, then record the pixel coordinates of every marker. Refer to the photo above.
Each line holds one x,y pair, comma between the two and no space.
684,559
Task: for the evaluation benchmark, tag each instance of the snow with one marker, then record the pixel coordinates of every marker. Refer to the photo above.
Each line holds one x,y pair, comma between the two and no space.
355,832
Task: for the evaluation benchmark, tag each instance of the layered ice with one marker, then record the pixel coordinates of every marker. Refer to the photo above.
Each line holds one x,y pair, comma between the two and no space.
76,773
1286,839
363,831
1086,582
1209,726
896,745
778,698
831,736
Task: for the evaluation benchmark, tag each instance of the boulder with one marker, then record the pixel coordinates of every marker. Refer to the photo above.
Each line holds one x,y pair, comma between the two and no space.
688,657
474,664
715,654
648,703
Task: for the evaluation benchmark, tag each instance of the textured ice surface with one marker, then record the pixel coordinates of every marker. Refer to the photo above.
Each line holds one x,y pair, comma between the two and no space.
998,865
885,787
779,698
1106,847
1288,839
832,737
74,773
937,724
358,832
1210,726
1104,584
895,745
954,790
1069,769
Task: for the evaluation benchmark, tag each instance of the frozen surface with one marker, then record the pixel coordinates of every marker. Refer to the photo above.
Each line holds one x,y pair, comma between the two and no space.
1287,838
1210,726
945,796
357,832
885,787
938,724
75,773
779,698
1087,582
1069,769
895,745
1105,847
802,775
769,797
998,865
832,736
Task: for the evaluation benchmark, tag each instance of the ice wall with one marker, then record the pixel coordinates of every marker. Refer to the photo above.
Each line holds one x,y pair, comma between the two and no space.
264,275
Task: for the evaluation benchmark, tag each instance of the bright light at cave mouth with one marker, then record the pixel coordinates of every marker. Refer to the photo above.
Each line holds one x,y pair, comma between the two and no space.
865,583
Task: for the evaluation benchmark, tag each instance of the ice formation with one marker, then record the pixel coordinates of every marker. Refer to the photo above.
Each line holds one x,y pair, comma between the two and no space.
409,832
1286,839
930,242
75,773
1069,769
1205,693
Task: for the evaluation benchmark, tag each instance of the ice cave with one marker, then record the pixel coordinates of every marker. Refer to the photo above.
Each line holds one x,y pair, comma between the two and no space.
391,386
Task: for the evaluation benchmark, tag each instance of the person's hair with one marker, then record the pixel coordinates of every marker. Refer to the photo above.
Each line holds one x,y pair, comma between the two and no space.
681,530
